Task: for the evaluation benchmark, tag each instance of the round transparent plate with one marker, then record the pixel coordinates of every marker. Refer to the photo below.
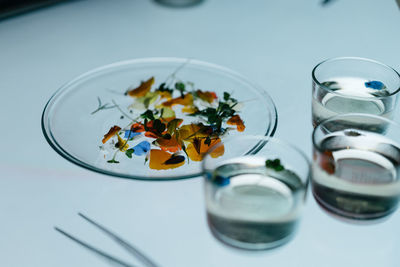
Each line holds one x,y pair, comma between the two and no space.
76,133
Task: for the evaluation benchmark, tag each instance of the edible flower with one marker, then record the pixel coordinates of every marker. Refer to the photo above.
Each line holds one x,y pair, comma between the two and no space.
111,133
186,100
198,148
171,144
236,120
130,134
142,89
122,144
162,160
206,96
140,149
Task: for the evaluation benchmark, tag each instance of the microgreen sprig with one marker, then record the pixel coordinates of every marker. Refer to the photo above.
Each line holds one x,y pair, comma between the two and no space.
102,106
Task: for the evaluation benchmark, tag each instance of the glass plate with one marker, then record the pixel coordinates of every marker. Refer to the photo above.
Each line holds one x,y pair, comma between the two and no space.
76,134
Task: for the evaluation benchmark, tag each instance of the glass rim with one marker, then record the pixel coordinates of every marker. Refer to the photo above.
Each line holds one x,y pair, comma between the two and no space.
315,80
318,147
254,150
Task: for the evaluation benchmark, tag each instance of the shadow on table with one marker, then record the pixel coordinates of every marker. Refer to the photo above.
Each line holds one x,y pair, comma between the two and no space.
11,8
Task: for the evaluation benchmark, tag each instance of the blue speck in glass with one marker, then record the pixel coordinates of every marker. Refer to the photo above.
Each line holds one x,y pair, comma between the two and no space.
376,85
221,180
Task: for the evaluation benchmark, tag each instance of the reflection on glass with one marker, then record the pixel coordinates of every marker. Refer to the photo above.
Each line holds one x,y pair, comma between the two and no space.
353,85
355,172
255,201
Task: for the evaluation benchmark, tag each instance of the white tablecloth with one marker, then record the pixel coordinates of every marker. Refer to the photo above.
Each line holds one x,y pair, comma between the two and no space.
274,43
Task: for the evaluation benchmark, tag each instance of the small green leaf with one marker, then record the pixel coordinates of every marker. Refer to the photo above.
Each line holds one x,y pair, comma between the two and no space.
148,114
274,164
180,86
129,152
112,161
163,88
172,125
226,96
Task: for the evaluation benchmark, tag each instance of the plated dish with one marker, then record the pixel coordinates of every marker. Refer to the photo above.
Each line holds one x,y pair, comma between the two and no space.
154,118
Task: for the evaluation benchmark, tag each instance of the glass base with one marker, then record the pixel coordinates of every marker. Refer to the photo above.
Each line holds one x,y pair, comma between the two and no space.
349,217
179,3
249,246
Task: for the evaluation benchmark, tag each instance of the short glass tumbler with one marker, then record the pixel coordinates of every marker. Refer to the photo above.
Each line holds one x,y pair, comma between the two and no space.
353,85
255,192
355,171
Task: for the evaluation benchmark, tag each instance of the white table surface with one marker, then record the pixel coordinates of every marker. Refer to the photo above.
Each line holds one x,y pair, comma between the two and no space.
274,43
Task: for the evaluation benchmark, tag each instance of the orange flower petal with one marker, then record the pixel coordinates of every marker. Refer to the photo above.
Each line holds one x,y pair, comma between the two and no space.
189,109
236,120
187,100
137,127
190,131
194,154
111,133
170,145
206,96
165,94
142,89
158,159
150,134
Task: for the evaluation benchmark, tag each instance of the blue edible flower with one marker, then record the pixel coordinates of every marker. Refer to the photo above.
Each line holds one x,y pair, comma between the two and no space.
130,134
376,85
141,148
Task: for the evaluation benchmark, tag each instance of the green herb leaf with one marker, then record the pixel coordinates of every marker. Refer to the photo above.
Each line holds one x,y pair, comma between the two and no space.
148,114
274,164
180,86
163,88
158,126
226,96
129,152
172,125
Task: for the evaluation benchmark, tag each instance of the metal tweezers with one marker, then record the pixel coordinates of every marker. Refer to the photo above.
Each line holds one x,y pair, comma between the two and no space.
128,247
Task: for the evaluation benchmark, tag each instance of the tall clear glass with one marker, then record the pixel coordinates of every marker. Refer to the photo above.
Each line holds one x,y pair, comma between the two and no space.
255,192
356,171
353,85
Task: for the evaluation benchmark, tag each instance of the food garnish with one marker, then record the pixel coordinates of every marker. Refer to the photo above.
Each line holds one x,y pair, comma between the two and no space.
164,138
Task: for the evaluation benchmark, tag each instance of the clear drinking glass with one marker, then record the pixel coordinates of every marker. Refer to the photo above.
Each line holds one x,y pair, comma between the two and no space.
353,85
355,171
255,192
